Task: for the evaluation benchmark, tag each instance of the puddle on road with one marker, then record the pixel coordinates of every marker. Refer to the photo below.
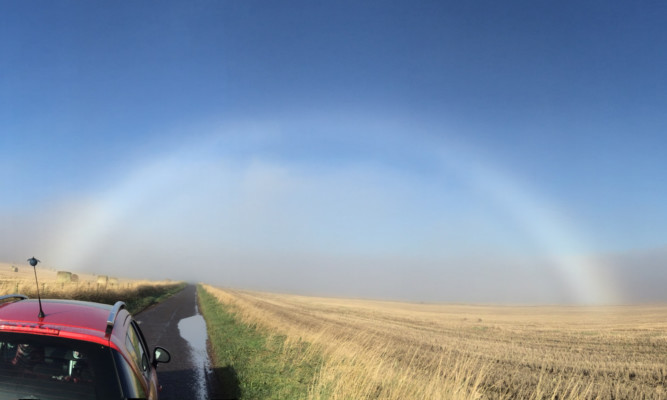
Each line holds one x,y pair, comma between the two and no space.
193,330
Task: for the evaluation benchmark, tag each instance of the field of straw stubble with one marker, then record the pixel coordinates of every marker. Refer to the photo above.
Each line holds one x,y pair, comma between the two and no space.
137,294
391,350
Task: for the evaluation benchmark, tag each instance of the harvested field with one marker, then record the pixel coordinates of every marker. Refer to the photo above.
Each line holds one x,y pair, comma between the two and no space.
16,278
137,294
391,350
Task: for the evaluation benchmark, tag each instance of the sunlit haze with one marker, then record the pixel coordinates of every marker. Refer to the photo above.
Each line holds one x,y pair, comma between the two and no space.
424,151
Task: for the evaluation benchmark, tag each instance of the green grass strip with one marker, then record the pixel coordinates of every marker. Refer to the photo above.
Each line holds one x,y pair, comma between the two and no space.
250,362
147,295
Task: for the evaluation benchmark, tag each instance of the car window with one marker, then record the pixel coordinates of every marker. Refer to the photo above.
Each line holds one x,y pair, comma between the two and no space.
144,344
131,383
137,349
45,367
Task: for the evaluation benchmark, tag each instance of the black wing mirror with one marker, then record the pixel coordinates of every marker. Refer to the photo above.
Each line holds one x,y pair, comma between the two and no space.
160,355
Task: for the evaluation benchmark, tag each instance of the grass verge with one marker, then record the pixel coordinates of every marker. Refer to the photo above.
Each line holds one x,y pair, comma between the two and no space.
250,362
147,295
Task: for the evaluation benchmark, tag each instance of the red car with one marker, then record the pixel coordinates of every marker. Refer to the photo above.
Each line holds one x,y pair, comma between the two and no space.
77,350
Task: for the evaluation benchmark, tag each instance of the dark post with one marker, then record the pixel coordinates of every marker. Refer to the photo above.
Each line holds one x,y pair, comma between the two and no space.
33,261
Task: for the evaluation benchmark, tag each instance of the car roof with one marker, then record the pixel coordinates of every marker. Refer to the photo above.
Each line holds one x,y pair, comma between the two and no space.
70,318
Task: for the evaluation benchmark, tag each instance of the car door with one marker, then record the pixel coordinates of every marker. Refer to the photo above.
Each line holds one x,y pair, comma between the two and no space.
136,345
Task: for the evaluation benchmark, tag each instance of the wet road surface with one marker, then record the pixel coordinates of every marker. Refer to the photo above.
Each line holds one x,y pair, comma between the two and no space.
176,325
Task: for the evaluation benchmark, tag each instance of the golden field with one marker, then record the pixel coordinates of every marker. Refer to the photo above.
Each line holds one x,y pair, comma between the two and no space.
391,350
24,277
137,294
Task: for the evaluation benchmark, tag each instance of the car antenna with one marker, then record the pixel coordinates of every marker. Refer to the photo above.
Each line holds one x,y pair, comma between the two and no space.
33,261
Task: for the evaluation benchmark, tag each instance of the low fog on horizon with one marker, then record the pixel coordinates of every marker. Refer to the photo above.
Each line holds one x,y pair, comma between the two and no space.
440,152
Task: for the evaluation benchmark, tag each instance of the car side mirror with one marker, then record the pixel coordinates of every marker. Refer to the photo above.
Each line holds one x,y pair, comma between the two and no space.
160,355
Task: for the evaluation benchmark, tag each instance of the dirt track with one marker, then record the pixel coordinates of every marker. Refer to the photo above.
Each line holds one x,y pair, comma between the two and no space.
179,378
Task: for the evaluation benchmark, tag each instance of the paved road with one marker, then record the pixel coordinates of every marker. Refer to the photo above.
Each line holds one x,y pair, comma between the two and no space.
187,376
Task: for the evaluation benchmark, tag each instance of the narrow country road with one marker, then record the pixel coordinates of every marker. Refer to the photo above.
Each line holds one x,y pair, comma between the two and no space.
176,325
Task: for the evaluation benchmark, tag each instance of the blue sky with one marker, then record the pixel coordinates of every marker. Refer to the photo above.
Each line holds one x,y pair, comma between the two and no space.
446,151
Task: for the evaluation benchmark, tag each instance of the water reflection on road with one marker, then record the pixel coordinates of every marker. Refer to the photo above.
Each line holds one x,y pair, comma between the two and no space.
193,330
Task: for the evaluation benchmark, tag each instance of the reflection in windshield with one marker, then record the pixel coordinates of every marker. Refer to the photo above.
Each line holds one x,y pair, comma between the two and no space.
53,368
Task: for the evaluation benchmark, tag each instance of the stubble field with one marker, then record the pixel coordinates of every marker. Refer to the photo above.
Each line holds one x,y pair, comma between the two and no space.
390,350
137,294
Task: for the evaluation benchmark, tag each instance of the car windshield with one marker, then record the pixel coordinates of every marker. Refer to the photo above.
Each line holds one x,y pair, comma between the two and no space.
49,367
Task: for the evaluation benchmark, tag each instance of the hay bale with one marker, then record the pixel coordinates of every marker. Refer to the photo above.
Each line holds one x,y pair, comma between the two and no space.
102,279
75,278
63,277
15,269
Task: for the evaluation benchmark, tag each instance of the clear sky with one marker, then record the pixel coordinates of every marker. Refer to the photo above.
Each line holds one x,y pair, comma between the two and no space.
433,151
